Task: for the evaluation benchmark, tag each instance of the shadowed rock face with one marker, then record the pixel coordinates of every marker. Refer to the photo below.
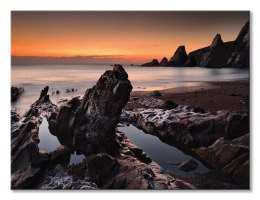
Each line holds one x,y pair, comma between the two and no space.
179,58
164,62
239,53
89,126
216,55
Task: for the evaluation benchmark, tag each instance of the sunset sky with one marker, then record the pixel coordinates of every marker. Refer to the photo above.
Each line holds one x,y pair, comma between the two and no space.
133,37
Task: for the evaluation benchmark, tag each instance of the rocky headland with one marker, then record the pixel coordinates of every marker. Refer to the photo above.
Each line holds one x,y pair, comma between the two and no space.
88,126
218,54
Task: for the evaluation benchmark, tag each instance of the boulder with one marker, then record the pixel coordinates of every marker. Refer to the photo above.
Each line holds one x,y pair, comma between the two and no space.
88,126
179,58
153,63
16,93
156,93
168,105
61,155
188,165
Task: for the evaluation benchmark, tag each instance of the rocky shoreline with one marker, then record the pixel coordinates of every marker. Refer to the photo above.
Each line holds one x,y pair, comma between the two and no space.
218,54
88,126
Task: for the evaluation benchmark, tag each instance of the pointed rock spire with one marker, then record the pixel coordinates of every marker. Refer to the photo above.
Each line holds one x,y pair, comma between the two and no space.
180,57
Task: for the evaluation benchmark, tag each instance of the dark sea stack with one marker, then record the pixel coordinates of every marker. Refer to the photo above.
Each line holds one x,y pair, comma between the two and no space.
239,53
229,156
153,63
191,62
164,62
179,58
16,93
216,56
89,126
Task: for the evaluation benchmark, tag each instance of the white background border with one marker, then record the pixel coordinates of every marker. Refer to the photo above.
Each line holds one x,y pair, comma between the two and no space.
5,9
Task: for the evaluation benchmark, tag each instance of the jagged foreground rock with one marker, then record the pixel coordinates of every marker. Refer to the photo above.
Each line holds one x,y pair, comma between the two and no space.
89,126
229,156
27,162
189,126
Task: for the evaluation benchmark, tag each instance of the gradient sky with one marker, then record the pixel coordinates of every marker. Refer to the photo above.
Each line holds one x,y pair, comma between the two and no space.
133,36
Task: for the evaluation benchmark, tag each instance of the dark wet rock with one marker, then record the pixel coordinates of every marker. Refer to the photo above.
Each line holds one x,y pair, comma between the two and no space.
61,155
164,62
88,126
168,104
179,58
230,156
57,92
16,93
238,55
181,125
70,177
238,124
188,165
153,63
195,109
127,172
15,117
27,162
156,93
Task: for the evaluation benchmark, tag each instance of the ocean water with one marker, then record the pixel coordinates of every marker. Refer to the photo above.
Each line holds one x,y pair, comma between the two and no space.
61,77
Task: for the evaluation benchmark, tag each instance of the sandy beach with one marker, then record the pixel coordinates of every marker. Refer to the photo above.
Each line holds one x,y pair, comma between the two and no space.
211,96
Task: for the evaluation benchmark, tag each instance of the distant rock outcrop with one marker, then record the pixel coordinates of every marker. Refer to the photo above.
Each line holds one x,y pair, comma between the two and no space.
179,58
239,53
218,54
164,62
154,62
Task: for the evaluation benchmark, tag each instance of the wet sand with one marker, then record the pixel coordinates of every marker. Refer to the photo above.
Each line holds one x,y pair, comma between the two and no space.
211,96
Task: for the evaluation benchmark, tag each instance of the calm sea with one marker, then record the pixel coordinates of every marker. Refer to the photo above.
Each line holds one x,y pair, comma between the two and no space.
61,77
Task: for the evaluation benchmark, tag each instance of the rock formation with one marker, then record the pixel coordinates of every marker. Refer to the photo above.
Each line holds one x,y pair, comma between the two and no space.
179,58
164,62
230,156
27,161
239,51
89,126
153,63
16,93
188,126
218,54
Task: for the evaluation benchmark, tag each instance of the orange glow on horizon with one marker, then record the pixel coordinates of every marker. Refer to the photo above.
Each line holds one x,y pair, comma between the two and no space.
135,36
